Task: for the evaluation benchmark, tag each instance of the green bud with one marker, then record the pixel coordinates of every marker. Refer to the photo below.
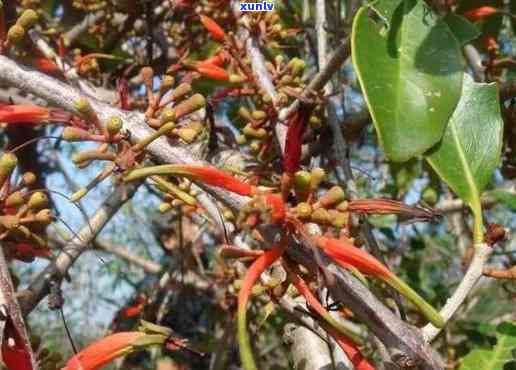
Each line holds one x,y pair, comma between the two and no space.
28,18
15,34
8,163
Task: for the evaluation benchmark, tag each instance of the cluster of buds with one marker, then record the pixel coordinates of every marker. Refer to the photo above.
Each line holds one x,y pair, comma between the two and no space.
17,32
256,130
166,112
267,26
24,214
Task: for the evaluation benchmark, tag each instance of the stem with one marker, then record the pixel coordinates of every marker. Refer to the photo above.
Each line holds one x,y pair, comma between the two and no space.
426,309
473,274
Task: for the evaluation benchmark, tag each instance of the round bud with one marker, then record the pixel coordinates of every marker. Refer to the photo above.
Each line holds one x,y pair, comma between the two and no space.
147,73
74,134
259,115
321,216
430,196
15,34
165,207
44,216
114,125
28,18
29,178
38,200
303,210
168,115
16,199
83,106
244,113
318,176
180,91
241,139
8,162
166,83
332,196
193,103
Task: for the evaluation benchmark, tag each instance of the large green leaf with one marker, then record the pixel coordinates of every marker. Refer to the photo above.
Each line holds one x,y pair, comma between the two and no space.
470,149
496,357
462,29
410,68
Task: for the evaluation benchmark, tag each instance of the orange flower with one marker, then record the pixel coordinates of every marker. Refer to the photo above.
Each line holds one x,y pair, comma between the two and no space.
24,114
213,27
104,351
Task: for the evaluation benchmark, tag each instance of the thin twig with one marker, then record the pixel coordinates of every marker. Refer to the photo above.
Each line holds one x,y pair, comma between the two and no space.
500,274
468,282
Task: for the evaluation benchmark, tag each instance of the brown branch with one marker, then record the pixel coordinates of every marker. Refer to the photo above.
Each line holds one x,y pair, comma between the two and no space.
500,274
10,308
58,268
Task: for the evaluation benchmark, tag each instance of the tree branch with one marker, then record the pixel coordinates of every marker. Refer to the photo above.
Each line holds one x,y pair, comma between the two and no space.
59,267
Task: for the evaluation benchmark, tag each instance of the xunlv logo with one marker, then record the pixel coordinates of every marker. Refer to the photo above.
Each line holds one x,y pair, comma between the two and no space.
264,6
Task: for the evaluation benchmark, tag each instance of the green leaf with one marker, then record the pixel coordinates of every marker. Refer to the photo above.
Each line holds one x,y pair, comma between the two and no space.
410,69
462,29
508,198
496,357
470,149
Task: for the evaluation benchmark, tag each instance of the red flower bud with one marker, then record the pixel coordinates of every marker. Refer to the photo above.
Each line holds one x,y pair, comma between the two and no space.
480,13
212,71
24,114
216,31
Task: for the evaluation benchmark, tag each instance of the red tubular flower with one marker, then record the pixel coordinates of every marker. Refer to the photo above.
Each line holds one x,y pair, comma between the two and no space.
212,71
103,351
213,27
252,275
347,255
24,114
205,174
480,13
388,206
296,128
277,207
